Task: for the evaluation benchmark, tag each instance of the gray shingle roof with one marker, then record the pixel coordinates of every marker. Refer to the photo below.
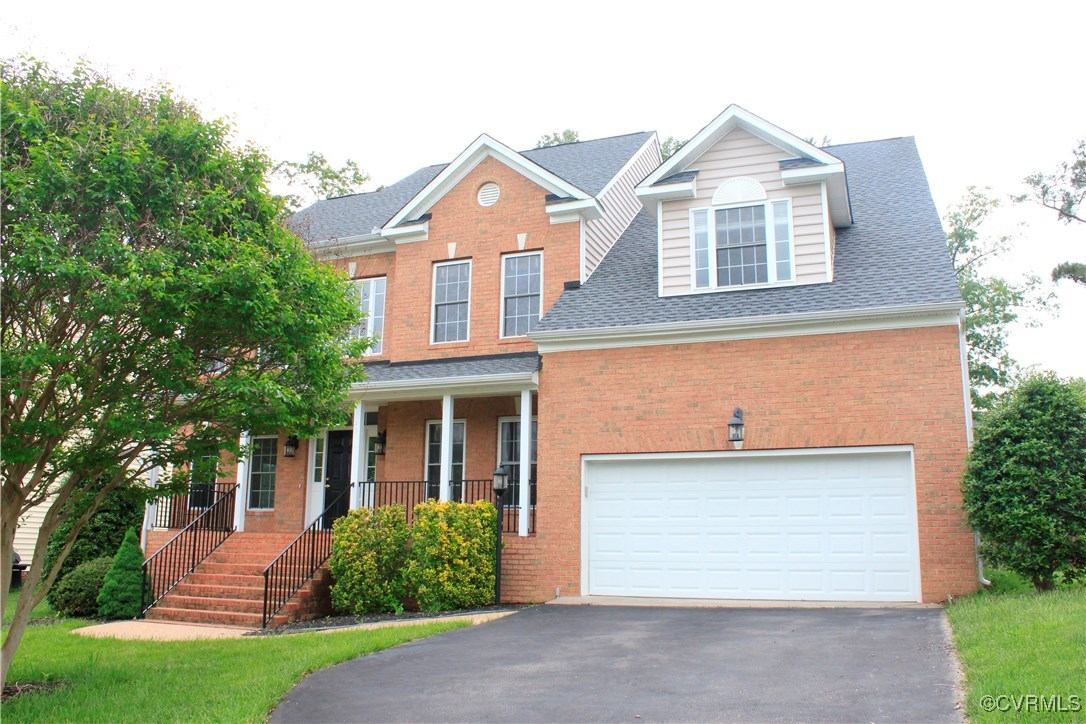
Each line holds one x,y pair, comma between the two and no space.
588,165
677,177
893,255
798,163
526,362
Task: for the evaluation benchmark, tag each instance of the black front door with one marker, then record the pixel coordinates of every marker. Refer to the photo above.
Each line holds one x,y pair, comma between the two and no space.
337,476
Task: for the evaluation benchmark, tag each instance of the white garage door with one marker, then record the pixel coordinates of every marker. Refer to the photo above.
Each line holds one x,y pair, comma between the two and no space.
827,526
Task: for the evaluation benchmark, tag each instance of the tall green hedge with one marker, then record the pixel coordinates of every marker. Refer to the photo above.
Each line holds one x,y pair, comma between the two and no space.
102,534
1025,481
451,564
369,549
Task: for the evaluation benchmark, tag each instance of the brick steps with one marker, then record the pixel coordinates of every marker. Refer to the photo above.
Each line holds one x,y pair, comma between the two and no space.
228,587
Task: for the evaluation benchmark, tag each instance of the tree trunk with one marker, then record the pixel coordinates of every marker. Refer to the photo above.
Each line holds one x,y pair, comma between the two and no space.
1043,583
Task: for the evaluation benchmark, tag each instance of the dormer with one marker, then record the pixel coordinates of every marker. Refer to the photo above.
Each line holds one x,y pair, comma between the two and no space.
745,204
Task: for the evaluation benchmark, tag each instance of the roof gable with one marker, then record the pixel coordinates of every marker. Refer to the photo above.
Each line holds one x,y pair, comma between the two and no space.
483,147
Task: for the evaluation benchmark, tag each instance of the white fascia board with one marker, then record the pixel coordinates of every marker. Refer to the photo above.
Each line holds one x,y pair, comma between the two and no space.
408,233
567,211
834,176
345,246
670,192
721,330
469,158
736,117
435,387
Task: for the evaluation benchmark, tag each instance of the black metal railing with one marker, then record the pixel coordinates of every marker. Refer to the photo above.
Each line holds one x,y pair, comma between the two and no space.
177,511
410,493
300,560
186,550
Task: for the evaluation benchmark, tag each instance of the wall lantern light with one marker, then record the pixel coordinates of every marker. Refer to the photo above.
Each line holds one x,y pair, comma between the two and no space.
379,443
735,429
290,447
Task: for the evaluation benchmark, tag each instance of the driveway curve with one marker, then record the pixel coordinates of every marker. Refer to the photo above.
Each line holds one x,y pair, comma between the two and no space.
641,664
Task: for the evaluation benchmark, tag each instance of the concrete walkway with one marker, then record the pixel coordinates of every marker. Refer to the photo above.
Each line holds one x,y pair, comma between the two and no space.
167,631
639,663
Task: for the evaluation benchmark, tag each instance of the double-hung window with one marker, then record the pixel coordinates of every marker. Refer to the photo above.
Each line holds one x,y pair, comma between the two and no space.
509,455
522,285
742,244
371,303
262,473
452,301
433,459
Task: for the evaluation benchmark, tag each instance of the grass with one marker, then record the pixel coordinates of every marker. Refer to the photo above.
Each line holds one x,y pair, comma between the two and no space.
216,680
42,610
1015,642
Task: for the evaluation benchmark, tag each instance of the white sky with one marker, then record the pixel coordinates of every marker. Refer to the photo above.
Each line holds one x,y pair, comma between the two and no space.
992,91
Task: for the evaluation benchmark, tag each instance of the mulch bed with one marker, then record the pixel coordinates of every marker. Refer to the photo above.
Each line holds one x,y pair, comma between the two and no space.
332,622
29,687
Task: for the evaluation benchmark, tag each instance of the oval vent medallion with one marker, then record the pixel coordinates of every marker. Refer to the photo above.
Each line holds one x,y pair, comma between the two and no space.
488,194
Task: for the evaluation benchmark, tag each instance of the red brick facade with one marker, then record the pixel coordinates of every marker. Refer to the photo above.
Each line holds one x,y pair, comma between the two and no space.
893,387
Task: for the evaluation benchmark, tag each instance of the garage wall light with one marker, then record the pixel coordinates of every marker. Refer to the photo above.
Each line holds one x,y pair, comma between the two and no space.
735,429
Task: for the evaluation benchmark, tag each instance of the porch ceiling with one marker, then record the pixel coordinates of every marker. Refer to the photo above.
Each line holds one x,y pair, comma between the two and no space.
464,377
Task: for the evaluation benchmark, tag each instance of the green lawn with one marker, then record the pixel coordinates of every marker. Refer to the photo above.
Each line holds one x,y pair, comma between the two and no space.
1014,642
138,681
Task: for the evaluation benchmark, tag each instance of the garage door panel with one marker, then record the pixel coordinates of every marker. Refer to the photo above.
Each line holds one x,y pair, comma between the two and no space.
820,527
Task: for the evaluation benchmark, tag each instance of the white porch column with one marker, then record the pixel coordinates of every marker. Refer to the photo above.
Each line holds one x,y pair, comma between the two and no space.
150,510
525,502
446,446
241,498
358,451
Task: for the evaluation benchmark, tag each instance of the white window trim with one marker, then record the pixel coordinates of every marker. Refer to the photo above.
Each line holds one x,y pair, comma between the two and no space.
367,323
512,418
771,249
433,299
249,487
501,306
426,444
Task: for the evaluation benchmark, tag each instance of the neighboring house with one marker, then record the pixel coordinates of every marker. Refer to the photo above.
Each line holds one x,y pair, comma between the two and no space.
623,309
26,531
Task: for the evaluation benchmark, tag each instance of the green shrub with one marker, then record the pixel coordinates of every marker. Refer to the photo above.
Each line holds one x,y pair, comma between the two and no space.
122,592
451,564
102,534
77,593
369,549
1025,481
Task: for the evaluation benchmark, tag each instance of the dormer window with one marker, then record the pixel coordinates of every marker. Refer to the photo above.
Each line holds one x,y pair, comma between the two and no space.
740,240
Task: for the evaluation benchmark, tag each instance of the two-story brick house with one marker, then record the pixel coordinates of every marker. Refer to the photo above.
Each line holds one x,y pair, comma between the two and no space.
624,310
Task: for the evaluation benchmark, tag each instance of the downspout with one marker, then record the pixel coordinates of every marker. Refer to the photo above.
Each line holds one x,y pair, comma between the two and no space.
962,347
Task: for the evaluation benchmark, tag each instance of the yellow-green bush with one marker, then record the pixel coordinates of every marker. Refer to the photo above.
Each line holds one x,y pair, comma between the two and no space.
369,549
451,563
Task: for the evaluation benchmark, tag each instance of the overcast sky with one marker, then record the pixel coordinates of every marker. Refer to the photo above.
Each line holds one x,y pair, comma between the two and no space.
990,94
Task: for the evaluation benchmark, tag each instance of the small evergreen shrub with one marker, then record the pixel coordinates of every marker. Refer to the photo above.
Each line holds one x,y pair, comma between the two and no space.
77,593
1025,481
122,592
369,549
451,564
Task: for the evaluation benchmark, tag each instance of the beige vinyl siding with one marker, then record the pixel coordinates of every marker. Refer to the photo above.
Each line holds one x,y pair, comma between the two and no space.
741,153
26,530
620,206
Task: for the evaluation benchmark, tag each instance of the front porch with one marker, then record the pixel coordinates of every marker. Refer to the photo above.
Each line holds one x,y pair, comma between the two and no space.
408,439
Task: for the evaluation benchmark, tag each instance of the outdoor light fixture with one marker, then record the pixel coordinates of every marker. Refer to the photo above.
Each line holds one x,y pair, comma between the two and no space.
379,443
501,480
290,446
735,429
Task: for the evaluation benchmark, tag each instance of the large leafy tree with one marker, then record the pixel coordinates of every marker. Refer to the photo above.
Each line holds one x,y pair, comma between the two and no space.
557,138
1025,481
992,303
1063,192
316,177
153,303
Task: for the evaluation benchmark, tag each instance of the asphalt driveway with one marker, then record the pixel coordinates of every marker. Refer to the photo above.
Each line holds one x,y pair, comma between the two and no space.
635,664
